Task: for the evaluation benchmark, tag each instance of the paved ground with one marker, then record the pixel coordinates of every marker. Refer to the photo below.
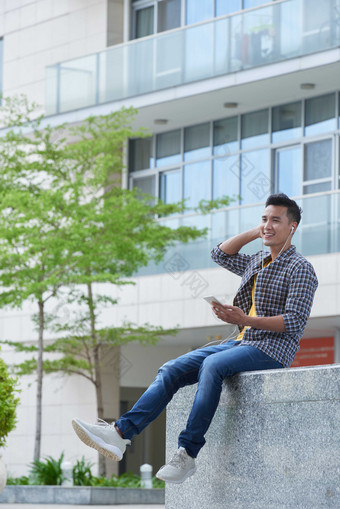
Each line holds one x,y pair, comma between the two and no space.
57,506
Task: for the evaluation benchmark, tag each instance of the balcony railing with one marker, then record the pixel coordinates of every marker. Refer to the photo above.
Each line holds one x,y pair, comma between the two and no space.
318,232
261,36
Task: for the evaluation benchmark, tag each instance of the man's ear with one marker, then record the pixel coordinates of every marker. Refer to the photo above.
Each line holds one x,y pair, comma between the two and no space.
293,227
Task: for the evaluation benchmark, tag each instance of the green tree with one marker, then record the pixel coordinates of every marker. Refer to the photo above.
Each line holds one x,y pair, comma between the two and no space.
67,224
33,258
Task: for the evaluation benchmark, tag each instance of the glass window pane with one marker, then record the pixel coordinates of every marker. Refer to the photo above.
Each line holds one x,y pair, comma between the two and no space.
170,186
318,160
197,183
227,6
315,230
225,136
199,11
289,171
146,184
140,157
287,122
144,22
255,176
316,15
199,56
196,142
247,4
320,114
169,15
288,31
317,188
226,177
77,86
254,129
168,148
224,224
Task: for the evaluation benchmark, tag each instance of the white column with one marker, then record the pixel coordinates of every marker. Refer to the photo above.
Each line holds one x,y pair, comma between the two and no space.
127,20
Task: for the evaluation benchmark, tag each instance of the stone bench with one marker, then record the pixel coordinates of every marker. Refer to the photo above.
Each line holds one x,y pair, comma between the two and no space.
274,443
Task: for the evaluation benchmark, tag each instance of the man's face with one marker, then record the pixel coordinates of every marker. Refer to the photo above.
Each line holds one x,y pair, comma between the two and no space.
275,226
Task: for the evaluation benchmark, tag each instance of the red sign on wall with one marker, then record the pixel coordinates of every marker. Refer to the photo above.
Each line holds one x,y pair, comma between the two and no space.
314,352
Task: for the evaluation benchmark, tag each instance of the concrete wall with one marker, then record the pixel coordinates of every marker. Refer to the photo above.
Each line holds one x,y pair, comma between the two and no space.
38,33
274,443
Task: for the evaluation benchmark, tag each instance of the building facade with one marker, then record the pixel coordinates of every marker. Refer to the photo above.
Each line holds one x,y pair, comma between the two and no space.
242,98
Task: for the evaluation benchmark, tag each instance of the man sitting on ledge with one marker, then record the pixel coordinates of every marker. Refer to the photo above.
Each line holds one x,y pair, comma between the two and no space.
271,309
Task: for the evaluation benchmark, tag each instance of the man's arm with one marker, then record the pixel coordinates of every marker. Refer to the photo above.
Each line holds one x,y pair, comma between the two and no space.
298,306
227,253
232,246
235,315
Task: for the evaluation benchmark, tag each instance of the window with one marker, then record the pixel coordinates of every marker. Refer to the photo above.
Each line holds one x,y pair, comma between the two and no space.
144,22
287,122
289,170
149,17
140,154
255,176
168,148
320,114
225,136
199,11
170,186
253,3
227,6
196,142
246,157
254,129
196,183
154,16
240,156
226,177
318,167
146,184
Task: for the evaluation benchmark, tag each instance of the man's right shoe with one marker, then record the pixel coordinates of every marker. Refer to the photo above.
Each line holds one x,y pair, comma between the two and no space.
103,437
179,468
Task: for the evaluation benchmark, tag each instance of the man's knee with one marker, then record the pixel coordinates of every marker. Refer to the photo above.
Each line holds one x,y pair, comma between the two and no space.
211,366
168,369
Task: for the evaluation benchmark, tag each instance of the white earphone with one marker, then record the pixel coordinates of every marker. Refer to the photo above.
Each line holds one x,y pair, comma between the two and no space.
292,229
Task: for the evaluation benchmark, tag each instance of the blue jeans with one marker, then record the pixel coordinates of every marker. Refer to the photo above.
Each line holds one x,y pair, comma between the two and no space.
208,366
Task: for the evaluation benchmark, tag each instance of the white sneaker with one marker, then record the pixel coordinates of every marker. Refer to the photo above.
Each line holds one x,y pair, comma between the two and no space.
179,468
103,437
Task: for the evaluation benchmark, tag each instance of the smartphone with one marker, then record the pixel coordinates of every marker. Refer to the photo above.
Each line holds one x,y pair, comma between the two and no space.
212,299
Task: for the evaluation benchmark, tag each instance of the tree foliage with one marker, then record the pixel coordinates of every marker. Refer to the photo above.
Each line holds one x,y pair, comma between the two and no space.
67,226
8,402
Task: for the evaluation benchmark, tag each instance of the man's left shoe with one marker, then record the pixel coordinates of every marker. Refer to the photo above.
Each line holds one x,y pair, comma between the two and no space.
179,468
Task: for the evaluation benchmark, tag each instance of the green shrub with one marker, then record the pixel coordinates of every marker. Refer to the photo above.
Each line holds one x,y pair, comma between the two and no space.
8,403
127,480
81,473
18,481
47,471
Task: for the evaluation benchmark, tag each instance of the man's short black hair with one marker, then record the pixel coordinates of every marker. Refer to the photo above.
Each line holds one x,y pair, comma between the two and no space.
293,210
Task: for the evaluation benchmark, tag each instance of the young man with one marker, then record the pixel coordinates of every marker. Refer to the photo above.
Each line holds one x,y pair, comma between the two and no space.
271,309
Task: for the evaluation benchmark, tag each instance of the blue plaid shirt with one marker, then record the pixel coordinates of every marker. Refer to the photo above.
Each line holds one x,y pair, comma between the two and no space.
285,287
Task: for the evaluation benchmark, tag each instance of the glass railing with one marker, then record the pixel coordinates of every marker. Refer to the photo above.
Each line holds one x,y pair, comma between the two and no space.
261,36
318,232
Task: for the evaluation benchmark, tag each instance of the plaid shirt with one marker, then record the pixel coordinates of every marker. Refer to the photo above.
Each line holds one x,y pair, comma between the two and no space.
285,287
